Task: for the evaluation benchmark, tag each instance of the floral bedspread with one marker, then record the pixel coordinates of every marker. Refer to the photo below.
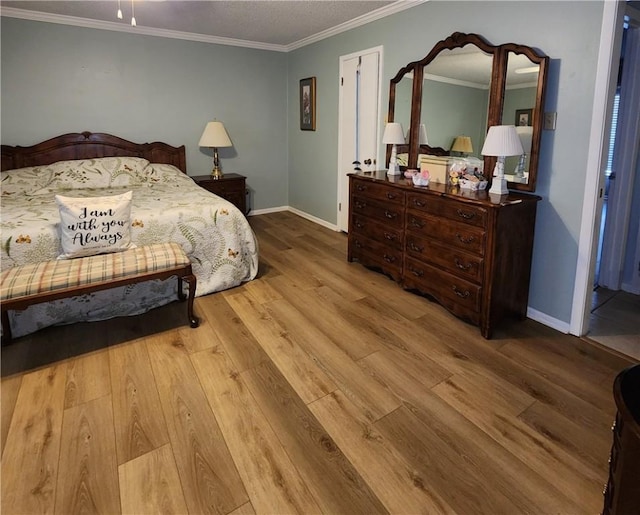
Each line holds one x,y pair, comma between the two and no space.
167,206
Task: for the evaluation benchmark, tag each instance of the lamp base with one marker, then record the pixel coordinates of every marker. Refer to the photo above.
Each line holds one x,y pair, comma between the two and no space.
393,169
216,173
499,186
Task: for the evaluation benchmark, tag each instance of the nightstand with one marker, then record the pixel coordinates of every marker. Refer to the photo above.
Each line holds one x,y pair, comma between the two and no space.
231,186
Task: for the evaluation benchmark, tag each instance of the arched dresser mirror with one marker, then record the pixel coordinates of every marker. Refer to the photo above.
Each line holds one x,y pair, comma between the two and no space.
463,86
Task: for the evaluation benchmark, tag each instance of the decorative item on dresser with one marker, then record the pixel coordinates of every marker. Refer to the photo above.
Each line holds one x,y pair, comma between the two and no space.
231,186
214,136
622,491
472,255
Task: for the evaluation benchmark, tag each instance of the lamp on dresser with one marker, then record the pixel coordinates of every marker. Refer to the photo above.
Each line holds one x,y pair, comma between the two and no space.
462,145
393,135
215,136
501,141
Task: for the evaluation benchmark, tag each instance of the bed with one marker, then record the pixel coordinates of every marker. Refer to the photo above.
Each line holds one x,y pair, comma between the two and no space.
167,206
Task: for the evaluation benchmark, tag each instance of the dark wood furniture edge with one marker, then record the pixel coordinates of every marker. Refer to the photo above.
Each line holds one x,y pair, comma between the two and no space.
182,272
88,145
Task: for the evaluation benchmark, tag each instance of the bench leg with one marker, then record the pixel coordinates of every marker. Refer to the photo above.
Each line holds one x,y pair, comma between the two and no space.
194,321
181,295
6,328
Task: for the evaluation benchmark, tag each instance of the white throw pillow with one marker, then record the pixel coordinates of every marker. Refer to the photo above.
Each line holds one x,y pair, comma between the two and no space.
94,225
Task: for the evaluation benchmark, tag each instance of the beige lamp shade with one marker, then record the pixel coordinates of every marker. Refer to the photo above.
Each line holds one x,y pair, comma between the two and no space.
462,144
393,134
215,135
502,140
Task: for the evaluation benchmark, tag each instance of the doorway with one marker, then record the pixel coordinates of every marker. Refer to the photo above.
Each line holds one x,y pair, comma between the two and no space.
358,108
615,311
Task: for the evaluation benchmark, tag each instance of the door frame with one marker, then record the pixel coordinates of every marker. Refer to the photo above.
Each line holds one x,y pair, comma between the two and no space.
605,88
380,51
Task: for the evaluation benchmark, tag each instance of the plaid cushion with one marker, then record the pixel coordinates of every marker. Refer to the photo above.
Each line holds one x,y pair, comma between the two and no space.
32,279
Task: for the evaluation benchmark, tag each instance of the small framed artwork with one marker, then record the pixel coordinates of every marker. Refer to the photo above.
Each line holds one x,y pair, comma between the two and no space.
308,104
524,117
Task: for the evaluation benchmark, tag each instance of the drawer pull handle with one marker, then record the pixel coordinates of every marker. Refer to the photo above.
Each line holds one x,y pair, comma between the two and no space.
390,214
462,266
388,258
465,215
360,187
360,205
358,244
389,236
359,225
417,273
465,239
415,248
461,294
419,203
391,195
417,223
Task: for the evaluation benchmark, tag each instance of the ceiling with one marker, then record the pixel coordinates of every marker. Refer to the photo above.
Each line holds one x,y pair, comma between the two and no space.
272,24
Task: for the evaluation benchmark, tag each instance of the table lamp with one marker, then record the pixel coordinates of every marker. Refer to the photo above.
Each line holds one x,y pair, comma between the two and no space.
393,135
462,145
214,136
501,141
525,133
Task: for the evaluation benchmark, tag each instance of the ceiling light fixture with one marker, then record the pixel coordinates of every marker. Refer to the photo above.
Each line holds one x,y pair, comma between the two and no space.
530,69
119,11
133,15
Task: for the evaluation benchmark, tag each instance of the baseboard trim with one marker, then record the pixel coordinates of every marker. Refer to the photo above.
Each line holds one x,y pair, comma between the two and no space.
255,212
545,319
315,219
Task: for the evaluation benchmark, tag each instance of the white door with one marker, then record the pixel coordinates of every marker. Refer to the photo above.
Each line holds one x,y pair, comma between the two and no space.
358,106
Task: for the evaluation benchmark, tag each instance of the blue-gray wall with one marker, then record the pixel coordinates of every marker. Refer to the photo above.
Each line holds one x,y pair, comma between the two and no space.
58,79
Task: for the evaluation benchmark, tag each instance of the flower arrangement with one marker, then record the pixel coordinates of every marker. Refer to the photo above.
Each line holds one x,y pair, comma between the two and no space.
421,178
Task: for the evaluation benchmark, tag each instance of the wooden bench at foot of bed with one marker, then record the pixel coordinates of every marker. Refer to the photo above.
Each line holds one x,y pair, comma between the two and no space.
25,285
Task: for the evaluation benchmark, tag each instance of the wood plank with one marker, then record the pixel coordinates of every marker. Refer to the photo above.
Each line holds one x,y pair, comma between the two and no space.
139,424
87,378
30,458
374,399
210,481
393,480
332,479
356,341
270,477
308,380
9,392
579,483
88,476
202,337
483,456
150,484
245,509
240,344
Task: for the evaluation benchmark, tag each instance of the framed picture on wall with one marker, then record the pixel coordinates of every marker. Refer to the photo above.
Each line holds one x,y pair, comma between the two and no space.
524,117
308,104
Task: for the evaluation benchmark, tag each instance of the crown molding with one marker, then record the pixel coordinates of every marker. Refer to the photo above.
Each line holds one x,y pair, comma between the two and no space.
25,14
383,12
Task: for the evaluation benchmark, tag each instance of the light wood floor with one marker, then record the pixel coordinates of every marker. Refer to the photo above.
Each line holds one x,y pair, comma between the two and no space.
320,387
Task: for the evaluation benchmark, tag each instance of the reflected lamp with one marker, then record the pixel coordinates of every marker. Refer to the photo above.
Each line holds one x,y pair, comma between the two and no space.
462,145
525,133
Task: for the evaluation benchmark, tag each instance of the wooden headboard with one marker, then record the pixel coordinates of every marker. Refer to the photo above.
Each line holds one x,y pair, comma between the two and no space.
87,145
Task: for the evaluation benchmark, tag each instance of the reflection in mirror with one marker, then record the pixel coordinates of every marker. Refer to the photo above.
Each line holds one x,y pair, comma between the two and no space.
520,98
455,98
400,103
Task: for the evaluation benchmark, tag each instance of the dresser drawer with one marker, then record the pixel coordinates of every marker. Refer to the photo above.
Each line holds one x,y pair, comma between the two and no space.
459,235
467,266
442,285
369,228
378,191
374,254
458,211
390,214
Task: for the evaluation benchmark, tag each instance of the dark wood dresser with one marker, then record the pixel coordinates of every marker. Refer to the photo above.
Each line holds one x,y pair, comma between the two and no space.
622,491
231,186
457,246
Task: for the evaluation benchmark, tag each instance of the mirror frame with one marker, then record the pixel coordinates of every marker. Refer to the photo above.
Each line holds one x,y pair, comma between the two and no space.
496,99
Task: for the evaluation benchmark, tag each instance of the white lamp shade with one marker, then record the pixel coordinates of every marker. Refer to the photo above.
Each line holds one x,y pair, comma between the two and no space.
393,134
215,135
526,136
502,140
423,140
